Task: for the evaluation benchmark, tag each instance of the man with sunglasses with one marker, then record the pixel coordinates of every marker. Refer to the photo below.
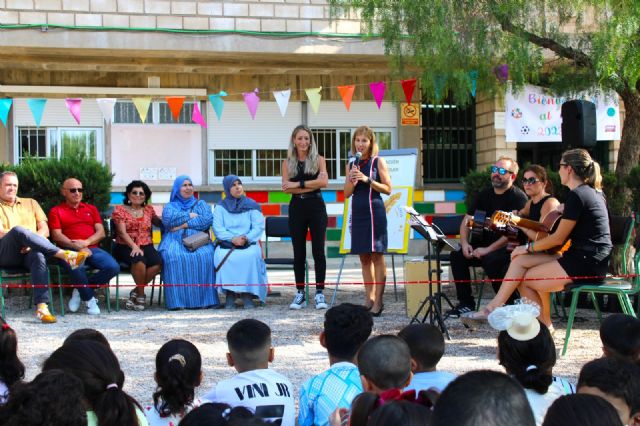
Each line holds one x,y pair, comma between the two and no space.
78,226
490,253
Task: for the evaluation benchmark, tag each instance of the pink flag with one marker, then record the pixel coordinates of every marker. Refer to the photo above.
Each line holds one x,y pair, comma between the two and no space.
197,117
377,90
73,105
252,100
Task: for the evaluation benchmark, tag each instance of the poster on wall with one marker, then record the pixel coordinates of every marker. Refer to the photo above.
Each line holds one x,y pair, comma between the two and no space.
533,114
402,169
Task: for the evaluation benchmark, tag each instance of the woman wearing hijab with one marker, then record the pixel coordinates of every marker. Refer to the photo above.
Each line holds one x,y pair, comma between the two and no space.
189,277
238,223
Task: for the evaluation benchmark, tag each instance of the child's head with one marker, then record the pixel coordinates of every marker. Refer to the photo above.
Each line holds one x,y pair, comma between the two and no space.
249,342
384,363
426,344
346,328
620,335
99,370
617,381
87,334
583,410
178,373
11,368
50,399
485,398
390,407
220,414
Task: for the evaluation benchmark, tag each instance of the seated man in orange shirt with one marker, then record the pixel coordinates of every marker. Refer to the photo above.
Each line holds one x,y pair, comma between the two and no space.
23,242
78,226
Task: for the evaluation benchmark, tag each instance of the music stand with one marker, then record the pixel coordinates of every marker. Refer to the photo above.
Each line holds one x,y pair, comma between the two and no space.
437,242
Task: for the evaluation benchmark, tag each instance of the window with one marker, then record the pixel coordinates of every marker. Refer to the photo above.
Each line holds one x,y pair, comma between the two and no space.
269,162
58,142
232,161
126,113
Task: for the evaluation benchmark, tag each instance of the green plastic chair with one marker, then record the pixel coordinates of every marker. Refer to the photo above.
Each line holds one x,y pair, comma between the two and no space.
23,275
621,232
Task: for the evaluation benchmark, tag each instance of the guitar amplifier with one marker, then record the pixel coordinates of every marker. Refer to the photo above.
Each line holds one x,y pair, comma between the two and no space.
415,293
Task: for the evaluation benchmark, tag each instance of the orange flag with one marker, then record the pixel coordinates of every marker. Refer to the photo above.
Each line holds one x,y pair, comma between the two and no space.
175,105
346,93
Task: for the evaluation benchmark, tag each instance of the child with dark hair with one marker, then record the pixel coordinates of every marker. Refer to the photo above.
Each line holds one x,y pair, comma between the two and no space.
98,369
219,414
346,328
11,368
483,397
178,373
266,392
87,334
51,399
617,381
404,413
426,344
583,410
620,335
528,354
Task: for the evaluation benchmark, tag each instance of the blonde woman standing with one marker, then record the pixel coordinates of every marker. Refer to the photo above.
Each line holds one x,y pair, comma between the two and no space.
304,172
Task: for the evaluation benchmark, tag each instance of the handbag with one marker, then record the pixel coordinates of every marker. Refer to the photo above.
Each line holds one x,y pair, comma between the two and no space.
194,241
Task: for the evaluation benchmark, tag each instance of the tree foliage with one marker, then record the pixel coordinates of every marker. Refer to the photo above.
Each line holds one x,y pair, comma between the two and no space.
566,45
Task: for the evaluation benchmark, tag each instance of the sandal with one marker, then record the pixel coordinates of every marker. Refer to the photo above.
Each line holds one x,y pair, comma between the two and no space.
135,302
475,318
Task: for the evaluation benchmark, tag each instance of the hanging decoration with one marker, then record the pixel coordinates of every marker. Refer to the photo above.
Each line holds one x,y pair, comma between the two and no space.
142,106
251,99
377,90
5,106
408,87
282,99
196,115
107,107
473,75
502,72
438,85
218,103
175,105
314,97
37,108
74,107
346,93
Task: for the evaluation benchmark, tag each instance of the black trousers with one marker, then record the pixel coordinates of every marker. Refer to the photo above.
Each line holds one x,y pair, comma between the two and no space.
495,265
311,214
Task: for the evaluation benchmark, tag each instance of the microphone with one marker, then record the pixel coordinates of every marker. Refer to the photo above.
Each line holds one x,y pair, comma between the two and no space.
356,158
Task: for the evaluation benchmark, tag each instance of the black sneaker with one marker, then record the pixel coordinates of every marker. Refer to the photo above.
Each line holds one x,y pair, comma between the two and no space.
458,310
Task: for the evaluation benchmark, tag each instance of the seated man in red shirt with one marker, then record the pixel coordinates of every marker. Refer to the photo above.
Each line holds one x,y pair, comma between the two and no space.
76,225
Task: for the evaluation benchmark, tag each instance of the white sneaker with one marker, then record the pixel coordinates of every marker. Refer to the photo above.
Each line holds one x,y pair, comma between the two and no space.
74,302
320,302
92,306
298,301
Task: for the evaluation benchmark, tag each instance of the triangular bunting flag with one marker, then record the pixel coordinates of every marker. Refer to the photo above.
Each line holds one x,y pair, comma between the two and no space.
282,99
142,106
377,90
218,103
107,107
408,87
252,100
175,105
37,108
438,85
5,106
197,117
314,97
73,105
346,93
473,75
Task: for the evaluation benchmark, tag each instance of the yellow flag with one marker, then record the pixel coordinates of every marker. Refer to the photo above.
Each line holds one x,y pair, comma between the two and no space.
142,106
314,97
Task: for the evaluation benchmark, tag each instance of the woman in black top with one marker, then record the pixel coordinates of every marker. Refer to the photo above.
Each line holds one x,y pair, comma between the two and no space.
304,172
585,221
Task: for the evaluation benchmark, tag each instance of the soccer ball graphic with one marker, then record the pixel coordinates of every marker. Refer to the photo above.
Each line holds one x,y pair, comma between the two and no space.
525,130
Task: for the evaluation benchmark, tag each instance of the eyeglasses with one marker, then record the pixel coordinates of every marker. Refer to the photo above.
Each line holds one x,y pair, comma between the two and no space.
563,164
74,190
501,170
138,193
530,181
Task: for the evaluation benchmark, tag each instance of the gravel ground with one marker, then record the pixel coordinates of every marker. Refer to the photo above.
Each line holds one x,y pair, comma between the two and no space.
136,336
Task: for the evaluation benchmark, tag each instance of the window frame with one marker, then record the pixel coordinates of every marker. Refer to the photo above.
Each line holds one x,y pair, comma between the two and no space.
53,141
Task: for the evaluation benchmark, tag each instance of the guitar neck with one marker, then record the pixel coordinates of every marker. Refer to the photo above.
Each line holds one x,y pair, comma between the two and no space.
529,224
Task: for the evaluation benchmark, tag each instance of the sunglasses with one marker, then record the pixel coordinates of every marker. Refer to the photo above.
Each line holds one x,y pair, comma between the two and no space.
501,170
530,181
563,164
138,193
74,190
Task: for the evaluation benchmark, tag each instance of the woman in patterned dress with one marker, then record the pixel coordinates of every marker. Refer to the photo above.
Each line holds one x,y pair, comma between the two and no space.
365,181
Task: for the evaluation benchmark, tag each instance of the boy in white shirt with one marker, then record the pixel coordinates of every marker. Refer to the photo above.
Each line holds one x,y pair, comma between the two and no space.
264,391
427,347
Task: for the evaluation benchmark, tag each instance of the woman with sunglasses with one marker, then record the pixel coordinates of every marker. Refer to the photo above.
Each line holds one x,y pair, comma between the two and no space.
133,221
538,187
585,221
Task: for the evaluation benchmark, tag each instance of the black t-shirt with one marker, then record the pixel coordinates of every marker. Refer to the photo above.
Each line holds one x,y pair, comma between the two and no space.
588,208
489,201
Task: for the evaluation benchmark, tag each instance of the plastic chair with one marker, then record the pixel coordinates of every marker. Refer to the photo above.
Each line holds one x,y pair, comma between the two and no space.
23,275
621,228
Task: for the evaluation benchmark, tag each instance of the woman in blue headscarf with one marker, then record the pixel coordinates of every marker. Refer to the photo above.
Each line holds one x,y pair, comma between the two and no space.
189,277
238,223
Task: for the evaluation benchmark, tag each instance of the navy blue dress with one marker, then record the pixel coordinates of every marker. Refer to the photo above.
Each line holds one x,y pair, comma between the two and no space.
368,215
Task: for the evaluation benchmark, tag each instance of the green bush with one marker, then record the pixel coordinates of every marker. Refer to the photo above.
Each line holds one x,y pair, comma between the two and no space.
41,180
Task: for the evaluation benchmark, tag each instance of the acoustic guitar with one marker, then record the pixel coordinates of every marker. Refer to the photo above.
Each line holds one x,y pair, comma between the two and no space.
506,223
